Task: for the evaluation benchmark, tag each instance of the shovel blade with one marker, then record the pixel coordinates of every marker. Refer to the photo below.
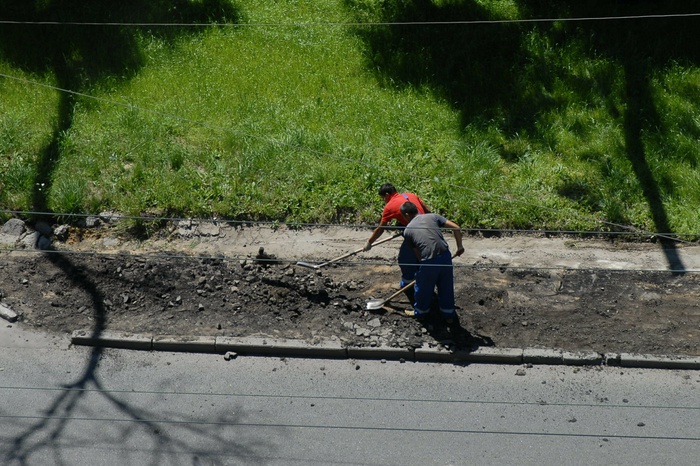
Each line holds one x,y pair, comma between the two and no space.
306,264
375,304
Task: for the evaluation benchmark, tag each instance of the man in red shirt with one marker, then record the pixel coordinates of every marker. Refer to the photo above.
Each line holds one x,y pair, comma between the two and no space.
392,211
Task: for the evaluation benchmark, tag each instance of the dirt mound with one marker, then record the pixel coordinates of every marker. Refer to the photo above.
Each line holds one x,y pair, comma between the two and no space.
170,287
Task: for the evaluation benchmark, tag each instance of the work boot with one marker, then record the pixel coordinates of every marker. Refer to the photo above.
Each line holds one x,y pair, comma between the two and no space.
417,314
451,319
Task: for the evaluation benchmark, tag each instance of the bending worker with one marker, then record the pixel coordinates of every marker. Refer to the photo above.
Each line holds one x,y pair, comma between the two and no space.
392,211
423,233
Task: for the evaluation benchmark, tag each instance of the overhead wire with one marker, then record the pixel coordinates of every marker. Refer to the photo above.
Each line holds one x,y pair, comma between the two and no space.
364,263
351,427
351,398
274,224
465,22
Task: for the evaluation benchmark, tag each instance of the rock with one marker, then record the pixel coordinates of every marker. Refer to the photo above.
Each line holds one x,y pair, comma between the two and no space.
92,222
362,332
8,240
184,228
374,323
31,240
520,372
110,242
109,217
8,314
44,228
13,227
61,232
43,243
230,355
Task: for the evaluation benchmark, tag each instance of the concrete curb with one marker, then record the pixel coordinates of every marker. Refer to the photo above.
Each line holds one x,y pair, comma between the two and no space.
112,340
184,344
262,346
279,347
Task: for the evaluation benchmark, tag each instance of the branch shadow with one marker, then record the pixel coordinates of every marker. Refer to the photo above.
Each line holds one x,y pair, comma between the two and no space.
641,47
457,62
52,431
478,68
79,55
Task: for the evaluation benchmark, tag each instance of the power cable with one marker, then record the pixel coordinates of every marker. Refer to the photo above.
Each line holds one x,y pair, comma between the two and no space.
357,24
357,428
297,226
349,398
368,263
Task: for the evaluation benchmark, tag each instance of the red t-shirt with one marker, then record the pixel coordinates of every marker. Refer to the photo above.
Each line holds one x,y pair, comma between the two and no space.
392,209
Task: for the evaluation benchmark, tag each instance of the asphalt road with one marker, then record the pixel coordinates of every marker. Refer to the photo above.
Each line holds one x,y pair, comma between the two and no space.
63,405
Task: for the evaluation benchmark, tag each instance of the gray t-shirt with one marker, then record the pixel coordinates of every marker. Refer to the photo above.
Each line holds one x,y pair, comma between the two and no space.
423,232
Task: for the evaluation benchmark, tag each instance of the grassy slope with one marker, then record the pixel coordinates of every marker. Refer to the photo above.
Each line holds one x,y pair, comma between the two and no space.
303,122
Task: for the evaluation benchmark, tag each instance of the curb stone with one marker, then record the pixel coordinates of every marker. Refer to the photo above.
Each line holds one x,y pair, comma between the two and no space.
543,356
662,362
380,352
184,344
261,346
280,347
493,355
582,358
112,340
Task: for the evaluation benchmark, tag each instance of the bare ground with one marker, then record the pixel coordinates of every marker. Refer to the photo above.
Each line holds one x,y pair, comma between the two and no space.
564,293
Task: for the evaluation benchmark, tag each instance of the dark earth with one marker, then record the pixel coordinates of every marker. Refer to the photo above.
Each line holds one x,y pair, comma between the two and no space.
173,292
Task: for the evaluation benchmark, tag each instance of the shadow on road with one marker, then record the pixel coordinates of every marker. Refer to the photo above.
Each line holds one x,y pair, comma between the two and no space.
165,435
45,39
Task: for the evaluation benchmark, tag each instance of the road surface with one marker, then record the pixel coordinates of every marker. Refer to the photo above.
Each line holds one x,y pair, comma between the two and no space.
65,405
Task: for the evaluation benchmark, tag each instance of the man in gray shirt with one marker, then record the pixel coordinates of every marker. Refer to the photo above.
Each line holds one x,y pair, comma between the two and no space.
424,235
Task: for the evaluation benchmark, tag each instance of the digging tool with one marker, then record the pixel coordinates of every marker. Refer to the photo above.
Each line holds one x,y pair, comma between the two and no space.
375,304
318,266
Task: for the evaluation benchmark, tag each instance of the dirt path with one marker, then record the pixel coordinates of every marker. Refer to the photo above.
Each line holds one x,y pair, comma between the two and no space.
564,293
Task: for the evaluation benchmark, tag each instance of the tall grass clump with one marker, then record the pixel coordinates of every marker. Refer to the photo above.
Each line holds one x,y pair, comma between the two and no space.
25,128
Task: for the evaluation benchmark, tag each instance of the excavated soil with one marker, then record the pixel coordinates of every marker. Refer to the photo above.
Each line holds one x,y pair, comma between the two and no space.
595,295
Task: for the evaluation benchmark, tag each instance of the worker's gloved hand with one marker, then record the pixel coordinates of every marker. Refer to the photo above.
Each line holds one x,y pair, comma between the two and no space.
459,252
367,246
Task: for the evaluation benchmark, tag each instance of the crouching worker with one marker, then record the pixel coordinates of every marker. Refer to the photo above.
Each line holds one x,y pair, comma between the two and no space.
424,235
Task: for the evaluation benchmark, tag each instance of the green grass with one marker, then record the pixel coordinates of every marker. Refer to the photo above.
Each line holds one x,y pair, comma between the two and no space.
293,118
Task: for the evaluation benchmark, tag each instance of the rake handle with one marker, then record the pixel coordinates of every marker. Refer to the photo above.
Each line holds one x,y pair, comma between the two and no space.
352,253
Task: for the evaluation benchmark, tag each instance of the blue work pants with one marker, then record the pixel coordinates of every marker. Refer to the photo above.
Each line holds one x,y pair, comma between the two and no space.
436,272
408,263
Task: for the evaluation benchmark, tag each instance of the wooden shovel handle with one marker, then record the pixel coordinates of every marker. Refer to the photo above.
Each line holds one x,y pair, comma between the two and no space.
352,253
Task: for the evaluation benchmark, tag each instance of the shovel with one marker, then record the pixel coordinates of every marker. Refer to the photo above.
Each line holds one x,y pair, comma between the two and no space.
374,304
318,266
